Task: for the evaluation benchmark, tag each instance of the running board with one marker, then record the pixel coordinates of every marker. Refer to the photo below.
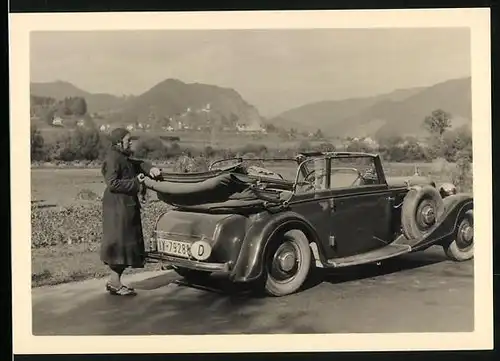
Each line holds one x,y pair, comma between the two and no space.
380,254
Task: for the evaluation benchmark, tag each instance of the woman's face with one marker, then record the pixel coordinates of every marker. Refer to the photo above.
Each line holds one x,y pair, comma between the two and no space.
126,143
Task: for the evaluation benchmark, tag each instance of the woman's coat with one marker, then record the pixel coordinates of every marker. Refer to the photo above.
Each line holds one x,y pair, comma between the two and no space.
122,239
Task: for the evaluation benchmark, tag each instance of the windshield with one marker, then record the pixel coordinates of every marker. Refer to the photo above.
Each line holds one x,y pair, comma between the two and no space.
344,172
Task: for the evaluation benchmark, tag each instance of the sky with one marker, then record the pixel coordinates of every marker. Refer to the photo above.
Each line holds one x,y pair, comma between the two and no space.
274,70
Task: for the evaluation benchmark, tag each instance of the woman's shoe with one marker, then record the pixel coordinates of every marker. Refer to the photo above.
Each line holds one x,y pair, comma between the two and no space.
121,291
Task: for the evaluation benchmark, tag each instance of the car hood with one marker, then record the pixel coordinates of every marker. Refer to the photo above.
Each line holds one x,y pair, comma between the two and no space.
405,181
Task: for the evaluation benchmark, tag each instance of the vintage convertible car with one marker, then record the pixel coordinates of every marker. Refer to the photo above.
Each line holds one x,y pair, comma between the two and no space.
335,209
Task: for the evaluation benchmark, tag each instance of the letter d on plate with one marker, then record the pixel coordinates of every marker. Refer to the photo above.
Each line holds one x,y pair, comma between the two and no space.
201,250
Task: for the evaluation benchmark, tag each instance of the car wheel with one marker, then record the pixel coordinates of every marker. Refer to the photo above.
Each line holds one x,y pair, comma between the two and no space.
422,208
461,248
192,275
287,265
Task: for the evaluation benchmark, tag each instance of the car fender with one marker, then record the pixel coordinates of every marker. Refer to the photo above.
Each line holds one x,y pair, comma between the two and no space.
250,263
456,206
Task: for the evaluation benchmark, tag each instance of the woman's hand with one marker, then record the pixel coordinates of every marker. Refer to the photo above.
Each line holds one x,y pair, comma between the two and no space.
154,172
141,177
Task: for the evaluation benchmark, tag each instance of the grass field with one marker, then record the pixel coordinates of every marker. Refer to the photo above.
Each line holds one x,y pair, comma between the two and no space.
223,140
66,219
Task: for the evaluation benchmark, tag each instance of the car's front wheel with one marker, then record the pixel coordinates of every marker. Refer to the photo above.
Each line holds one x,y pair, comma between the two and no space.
461,248
288,261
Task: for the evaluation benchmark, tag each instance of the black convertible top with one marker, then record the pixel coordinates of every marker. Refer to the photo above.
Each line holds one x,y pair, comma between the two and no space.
215,189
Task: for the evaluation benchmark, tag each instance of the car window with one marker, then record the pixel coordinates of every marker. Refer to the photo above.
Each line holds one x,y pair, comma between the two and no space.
314,179
353,172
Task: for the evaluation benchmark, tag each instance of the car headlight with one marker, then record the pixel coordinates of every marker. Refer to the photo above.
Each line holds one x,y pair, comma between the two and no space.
447,189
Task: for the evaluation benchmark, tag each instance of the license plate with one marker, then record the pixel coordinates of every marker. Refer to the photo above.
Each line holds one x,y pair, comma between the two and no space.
175,248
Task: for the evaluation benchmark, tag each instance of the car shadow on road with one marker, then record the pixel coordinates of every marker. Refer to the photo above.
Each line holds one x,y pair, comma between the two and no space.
318,276
390,266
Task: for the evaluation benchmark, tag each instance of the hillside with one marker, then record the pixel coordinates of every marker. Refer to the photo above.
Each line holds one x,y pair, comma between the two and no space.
61,89
170,98
192,104
400,112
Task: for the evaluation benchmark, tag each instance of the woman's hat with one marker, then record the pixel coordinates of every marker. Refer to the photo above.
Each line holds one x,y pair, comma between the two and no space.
117,135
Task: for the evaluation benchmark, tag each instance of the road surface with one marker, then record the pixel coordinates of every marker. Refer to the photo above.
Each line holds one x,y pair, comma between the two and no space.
416,293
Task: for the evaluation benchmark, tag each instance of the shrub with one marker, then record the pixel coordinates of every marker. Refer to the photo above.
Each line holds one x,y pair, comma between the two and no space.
462,176
150,147
79,144
38,149
186,164
80,223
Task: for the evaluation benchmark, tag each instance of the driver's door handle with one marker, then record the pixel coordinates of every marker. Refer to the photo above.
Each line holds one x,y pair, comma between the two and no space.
332,205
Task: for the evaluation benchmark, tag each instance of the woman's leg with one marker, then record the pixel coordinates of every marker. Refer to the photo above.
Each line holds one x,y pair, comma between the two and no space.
116,275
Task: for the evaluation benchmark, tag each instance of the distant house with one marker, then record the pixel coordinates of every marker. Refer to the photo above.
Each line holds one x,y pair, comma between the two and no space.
104,127
250,129
241,127
57,121
370,142
80,122
130,127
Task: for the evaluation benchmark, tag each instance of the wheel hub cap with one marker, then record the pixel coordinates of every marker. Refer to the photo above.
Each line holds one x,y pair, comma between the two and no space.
428,215
467,233
286,261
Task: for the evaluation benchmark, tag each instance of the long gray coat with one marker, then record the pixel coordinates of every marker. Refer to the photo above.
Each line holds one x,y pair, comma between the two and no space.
122,239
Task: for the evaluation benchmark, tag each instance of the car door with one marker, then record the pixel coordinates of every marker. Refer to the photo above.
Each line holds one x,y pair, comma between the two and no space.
359,221
360,212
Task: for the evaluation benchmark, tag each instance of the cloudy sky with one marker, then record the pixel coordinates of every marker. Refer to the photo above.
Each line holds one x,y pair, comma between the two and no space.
272,69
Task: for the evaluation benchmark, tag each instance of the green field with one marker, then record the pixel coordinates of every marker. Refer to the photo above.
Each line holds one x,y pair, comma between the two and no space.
61,186
201,139
66,218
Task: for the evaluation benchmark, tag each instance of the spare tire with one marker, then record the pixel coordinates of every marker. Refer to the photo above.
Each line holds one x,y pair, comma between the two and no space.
422,207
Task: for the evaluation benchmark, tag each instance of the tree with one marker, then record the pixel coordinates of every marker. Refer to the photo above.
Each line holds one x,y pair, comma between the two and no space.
37,144
438,122
326,147
78,106
318,135
269,127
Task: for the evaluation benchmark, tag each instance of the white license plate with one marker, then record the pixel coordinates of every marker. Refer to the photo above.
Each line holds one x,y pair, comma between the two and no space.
175,248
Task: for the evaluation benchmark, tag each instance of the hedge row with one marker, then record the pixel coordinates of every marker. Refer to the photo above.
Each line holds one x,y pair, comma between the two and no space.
79,223
88,144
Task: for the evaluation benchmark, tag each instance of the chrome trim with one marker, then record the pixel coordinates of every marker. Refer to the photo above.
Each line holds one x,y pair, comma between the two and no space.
181,237
196,265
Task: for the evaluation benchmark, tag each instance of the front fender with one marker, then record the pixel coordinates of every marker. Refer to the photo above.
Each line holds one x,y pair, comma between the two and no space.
250,263
455,207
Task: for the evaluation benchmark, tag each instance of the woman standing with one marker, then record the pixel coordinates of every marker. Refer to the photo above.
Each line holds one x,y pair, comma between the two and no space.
122,241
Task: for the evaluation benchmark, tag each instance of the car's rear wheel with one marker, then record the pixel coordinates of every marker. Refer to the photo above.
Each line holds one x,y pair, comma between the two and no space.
422,208
461,248
288,261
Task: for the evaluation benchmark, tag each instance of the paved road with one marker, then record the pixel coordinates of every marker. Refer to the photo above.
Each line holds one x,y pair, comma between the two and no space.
416,293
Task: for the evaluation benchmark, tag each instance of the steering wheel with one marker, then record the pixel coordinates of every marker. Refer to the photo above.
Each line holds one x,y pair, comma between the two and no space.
360,176
312,176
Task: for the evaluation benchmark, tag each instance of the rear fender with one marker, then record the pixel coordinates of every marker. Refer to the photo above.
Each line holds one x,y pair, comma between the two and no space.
250,263
456,206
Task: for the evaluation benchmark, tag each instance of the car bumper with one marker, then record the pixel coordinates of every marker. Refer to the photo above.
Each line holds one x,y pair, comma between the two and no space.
187,263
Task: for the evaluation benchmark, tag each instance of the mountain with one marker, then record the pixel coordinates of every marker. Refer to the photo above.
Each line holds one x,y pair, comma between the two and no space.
400,112
169,98
96,102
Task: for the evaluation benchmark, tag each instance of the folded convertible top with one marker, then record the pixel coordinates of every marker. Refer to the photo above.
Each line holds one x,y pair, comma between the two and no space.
225,188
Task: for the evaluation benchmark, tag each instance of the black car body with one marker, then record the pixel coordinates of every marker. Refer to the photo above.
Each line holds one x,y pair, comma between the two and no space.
253,225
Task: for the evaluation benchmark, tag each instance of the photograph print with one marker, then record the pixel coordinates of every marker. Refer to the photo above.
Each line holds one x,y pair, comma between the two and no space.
255,181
